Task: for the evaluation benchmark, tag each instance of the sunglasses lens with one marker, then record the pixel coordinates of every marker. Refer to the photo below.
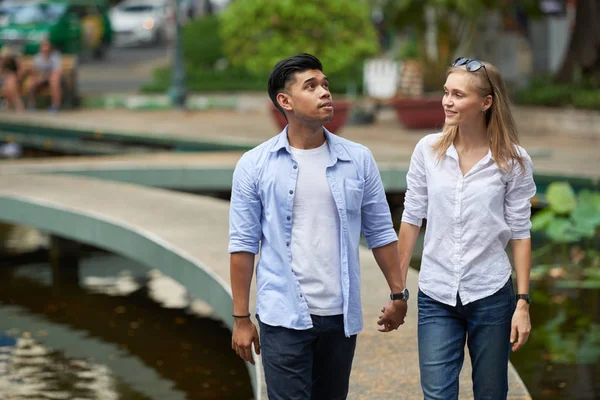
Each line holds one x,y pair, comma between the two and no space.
473,66
460,61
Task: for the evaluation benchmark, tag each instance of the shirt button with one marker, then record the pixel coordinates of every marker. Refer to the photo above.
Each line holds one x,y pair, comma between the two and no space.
287,244
288,217
291,192
295,166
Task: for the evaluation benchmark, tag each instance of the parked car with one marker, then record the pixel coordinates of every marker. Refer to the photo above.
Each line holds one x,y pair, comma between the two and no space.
73,26
139,22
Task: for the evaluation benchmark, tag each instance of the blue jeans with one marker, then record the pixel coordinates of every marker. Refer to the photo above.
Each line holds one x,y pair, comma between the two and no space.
308,364
485,324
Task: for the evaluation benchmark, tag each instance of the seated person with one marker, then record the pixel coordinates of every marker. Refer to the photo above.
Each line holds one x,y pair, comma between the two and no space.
10,84
46,71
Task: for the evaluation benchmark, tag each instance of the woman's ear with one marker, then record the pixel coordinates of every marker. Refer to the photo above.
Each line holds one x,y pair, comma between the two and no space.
487,103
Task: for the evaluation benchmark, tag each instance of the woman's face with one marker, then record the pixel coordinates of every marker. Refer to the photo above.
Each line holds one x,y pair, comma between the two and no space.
462,102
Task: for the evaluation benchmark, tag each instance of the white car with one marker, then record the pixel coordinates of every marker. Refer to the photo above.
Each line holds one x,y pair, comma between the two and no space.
138,22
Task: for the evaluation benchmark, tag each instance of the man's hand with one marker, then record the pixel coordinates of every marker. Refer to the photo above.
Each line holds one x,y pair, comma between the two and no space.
244,334
393,315
521,325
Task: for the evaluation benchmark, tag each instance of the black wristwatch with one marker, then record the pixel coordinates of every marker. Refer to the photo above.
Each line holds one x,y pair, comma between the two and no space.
403,295
525,297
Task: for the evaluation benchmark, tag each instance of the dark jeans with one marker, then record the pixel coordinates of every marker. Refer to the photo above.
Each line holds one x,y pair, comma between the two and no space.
311,364
485,324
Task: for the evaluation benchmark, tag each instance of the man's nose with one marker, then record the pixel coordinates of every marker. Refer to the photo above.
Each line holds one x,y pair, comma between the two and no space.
325,93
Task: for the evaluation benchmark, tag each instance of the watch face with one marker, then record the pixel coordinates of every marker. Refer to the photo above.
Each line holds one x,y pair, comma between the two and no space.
405,294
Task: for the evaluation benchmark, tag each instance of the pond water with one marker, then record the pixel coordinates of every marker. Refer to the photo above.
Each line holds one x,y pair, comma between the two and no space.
123,333
562,357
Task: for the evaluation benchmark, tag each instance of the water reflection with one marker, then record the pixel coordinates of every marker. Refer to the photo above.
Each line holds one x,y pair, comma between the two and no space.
142,315
562,358
29,370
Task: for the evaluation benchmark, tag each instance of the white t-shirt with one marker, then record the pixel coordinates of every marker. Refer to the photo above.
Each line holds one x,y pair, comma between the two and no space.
316,234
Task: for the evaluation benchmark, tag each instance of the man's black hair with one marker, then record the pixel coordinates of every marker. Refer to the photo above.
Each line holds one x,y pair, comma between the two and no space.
285,72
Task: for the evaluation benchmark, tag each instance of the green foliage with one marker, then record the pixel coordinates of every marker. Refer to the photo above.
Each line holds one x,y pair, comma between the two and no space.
546,92
259,33
568,218
202,45
569,222
209,80
232,79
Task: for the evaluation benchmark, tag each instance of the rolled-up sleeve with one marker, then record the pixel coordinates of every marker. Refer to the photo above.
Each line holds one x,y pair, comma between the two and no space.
377,226
245,209
415,198
520,189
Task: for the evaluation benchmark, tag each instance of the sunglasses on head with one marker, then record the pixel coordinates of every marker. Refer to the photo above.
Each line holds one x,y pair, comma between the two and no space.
472,66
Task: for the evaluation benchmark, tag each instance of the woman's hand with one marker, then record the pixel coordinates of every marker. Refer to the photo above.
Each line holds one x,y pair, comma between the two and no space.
521,325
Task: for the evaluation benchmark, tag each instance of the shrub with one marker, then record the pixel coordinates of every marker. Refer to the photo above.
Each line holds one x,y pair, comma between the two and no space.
202,45
259,33
545,92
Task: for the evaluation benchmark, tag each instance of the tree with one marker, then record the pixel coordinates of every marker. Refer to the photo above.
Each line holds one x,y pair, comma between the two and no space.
583,56
259,33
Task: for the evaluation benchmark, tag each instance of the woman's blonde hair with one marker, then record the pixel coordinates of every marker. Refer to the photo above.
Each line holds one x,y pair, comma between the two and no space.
501,127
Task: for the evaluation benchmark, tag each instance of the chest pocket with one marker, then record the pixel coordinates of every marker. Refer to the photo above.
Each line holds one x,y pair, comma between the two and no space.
353,192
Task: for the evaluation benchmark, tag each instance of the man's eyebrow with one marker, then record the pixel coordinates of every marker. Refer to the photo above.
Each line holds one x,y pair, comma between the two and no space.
312,78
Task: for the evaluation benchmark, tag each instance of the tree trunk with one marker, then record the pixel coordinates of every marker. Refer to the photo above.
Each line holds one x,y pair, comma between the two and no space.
584,47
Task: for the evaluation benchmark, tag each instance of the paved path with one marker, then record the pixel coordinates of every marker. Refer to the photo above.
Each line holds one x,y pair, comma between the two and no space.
386,365
556,153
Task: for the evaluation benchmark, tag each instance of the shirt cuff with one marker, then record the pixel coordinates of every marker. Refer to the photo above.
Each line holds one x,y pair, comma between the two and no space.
409,219
521,235
238,246
381,239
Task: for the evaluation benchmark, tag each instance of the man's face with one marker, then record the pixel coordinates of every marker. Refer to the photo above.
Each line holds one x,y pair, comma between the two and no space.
45,47
308,98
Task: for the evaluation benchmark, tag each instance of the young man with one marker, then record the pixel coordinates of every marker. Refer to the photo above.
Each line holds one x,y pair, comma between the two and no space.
305,196
47,71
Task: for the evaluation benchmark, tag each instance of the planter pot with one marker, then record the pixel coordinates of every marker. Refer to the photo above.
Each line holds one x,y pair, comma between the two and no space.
420,112
341,110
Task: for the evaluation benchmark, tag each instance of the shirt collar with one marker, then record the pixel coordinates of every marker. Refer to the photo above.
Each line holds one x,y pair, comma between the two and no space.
451,152
336,149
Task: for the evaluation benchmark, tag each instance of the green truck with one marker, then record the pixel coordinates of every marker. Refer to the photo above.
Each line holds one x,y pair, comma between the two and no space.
78,27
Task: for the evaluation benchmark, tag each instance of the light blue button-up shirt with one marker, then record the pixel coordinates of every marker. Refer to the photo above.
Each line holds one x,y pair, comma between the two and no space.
262,199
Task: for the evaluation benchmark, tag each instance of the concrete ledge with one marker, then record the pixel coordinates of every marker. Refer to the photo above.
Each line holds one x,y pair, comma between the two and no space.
164,230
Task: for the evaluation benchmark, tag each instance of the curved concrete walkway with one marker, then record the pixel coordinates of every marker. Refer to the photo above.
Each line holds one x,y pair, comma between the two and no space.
185,236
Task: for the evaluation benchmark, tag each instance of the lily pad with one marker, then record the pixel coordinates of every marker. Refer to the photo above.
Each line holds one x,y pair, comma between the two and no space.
542,219
561,230
561,197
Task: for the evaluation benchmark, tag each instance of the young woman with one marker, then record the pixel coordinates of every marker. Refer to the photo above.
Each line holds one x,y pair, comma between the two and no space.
10,84
473,183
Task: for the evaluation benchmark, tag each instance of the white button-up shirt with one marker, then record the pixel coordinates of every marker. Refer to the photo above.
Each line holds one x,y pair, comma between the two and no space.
470,220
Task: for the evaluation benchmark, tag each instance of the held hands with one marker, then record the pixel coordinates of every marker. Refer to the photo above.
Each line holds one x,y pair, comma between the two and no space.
393,315
244,334
521,325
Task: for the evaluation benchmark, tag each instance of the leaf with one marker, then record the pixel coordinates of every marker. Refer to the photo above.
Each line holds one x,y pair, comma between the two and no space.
542,219
587,212
561,197
561,230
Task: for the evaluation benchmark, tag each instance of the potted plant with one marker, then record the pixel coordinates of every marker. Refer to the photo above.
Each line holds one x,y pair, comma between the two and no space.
338,32
437,31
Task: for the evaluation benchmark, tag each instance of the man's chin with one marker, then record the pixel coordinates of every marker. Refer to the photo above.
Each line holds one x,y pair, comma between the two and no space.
328,118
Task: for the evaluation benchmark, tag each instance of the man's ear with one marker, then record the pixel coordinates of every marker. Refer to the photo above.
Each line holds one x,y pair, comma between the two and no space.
284,101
